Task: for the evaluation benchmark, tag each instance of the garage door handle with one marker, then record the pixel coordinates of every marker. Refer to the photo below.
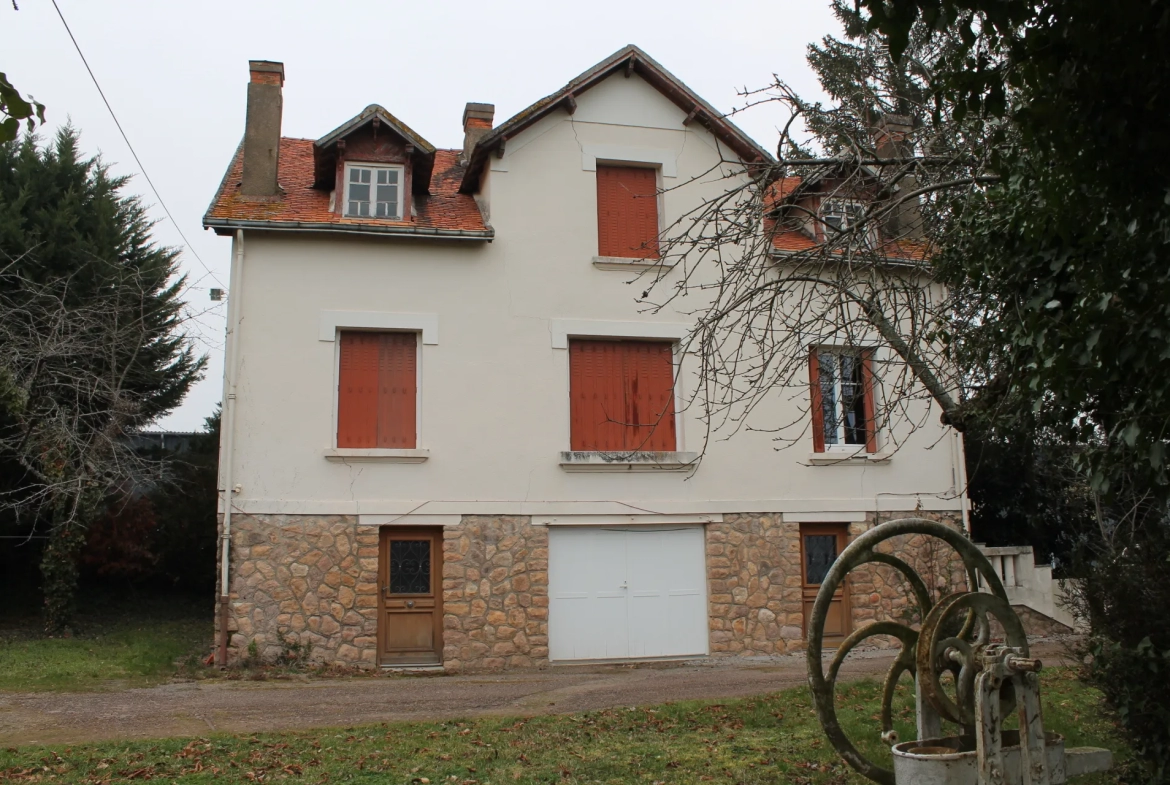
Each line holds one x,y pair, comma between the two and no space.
624,585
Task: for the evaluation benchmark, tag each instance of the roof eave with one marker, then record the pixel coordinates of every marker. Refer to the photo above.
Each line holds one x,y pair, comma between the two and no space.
897,261
367,115
228,225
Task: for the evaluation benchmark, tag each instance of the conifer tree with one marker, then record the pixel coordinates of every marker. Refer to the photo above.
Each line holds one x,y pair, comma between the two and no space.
91,345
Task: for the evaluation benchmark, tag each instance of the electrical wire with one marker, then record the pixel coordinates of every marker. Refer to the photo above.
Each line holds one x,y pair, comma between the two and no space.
126,139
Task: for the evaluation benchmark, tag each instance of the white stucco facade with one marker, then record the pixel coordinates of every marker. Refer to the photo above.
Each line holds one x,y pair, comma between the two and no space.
494,318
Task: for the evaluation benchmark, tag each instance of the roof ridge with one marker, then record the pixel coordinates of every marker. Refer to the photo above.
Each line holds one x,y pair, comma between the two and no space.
650,70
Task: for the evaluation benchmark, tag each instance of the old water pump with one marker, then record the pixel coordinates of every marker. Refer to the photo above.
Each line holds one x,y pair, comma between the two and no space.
987,680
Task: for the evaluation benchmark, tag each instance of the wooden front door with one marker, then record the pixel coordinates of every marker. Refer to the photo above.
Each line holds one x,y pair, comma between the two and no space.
410,580
820,543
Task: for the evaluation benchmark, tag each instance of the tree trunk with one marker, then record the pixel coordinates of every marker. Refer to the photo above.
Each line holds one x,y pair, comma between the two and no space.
59,572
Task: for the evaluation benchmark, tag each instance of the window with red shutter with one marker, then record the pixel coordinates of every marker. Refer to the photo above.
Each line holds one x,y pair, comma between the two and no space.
377,390
621,396
842,398
627,212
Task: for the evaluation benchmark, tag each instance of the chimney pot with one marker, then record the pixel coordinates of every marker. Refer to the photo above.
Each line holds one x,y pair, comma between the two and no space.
890,135
477,122
262,129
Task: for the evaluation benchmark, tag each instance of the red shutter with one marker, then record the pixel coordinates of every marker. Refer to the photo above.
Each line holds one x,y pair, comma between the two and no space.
621,395
627,212
377,390
397,383
816,406
871,444
357,391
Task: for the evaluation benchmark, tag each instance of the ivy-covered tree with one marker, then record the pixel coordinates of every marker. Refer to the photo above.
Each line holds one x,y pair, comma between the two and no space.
1067,261
91,346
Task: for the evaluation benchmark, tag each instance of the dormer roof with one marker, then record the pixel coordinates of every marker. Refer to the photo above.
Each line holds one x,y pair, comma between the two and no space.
422,151
628,60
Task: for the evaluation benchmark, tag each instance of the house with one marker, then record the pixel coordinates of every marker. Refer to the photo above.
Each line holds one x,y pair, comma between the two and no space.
451,437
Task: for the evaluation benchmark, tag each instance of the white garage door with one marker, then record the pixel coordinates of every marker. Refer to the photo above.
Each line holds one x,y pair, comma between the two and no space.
619,593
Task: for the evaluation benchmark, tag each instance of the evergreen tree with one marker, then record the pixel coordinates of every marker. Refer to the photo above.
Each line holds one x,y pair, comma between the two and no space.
91,345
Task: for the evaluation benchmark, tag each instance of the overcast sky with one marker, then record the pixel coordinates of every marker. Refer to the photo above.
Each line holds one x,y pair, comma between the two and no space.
175,74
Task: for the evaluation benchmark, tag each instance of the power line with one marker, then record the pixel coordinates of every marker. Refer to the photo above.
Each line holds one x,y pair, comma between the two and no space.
137,160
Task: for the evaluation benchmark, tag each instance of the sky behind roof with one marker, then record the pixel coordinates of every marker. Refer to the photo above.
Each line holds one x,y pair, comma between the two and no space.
176,75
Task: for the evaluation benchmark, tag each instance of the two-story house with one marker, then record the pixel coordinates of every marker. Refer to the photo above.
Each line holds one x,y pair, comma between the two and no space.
451,436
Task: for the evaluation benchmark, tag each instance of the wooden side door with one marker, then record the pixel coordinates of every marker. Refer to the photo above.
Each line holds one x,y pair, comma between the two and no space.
820,544
410,580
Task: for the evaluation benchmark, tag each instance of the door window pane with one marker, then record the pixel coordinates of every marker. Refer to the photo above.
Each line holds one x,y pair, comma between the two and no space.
410,566
820,551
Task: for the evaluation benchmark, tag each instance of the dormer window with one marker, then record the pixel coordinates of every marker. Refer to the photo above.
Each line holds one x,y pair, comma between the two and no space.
845,216
373,191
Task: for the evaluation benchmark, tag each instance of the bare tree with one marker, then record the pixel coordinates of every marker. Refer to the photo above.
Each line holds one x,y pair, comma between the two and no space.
832,245
67,401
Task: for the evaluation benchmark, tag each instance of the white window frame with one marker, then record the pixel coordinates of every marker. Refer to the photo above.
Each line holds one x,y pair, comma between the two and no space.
859,356
373,202
562,331
423,325
624,262
840,206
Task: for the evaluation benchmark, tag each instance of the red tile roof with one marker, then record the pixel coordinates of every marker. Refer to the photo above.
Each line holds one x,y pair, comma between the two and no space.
796,241
443,210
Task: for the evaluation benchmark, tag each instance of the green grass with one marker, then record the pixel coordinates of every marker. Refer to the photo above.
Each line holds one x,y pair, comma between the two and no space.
770,739
110,649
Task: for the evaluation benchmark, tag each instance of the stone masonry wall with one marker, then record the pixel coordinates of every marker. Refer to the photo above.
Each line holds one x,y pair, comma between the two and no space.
309,579
495,594
754,580
753,576
878,592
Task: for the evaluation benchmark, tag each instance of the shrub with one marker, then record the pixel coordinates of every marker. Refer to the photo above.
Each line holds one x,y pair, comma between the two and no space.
1136,681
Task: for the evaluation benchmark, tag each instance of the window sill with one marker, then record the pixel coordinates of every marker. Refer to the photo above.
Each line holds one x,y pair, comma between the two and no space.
844,457
636,265
597,461
339,455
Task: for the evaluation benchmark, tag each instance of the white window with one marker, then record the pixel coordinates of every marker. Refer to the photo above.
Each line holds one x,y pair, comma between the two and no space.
845,389
840,216
373,191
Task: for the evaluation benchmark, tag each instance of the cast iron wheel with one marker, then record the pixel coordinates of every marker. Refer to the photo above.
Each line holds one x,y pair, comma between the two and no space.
861,551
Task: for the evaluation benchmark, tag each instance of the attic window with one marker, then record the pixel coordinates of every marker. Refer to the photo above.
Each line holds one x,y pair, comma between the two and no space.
843,216
373,191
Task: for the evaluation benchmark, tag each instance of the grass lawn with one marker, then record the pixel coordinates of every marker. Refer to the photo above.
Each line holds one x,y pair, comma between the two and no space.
771,739
113,647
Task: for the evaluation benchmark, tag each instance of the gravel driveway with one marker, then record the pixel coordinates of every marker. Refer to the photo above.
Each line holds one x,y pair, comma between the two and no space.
198,708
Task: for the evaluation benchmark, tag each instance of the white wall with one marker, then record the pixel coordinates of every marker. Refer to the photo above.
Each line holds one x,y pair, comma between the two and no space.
494,407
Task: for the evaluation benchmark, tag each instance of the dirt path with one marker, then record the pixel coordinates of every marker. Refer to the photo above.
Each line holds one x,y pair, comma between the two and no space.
198,708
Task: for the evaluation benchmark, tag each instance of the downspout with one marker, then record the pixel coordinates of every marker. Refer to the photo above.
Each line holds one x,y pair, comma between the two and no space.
960,451
235,295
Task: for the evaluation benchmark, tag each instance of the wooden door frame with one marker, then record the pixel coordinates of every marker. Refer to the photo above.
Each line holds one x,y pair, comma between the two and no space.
435,535
841,530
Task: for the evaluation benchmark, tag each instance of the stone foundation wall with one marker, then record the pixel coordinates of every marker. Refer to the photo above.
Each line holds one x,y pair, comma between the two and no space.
307,579
495,594
880,593
313,580
754,581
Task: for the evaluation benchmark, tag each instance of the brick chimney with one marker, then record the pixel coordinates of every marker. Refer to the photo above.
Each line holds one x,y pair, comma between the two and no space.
477,121
890,134
262,129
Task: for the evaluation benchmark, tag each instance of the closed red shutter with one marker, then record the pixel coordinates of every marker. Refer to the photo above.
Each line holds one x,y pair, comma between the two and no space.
621,396
816,405
377,390
397,382
627,212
